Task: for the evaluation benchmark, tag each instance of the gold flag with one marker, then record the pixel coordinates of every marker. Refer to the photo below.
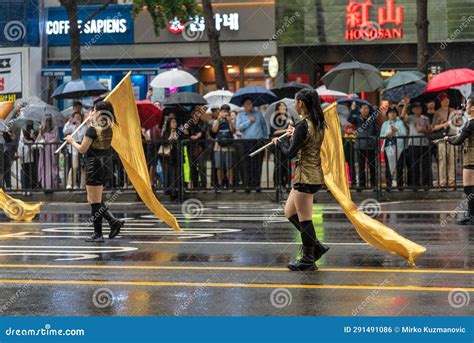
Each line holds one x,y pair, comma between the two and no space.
370,230
17,209
5,108
127,142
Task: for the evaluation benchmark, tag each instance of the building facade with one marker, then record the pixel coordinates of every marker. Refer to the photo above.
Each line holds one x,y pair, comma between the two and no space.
315,35
115,41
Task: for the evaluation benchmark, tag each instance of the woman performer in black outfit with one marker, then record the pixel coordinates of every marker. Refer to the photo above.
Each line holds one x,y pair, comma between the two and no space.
466,136
96,147
307,138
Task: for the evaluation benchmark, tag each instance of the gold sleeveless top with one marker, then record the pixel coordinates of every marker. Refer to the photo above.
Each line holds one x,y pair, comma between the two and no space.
308,158
103,140
468,151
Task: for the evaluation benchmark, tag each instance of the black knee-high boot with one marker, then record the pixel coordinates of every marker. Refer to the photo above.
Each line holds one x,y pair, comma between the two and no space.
468,218
114,223
308,236
97,214
319,248
295,221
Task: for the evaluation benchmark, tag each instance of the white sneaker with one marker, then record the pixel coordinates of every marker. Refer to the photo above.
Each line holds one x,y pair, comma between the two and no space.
68,187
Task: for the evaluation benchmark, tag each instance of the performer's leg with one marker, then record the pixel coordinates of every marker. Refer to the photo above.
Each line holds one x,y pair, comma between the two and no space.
114,223
94,198
290,210
468,180
304,203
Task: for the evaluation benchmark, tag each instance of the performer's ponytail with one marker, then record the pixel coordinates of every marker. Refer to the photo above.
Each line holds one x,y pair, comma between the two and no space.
312,103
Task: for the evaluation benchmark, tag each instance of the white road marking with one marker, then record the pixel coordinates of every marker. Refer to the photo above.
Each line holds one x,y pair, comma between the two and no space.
240,243
76,252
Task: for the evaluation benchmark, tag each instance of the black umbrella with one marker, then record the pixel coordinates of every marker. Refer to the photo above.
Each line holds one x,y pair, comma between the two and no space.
289,89
185,99
353,77
79,88
409,90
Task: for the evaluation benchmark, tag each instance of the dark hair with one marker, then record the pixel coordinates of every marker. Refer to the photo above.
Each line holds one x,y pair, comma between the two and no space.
76,103
312,103
245,99
392,109
279,104
105,108
225,107
167,132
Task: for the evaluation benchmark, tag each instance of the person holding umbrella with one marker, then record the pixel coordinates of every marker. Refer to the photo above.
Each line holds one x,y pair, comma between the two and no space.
96,146
367,131
306,141
253,128
467,133
445,123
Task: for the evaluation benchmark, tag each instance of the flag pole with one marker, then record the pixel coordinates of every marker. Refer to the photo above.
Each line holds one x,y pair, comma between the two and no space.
72,134
267,145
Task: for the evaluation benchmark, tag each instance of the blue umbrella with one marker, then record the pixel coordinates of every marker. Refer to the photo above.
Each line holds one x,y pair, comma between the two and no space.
257,94
79,88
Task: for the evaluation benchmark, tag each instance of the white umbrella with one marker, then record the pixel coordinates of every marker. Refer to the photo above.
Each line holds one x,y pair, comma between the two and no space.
218,98
323,91
173,78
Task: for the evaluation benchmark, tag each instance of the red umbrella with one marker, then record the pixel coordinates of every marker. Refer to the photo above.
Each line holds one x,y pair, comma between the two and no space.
449,79
150,115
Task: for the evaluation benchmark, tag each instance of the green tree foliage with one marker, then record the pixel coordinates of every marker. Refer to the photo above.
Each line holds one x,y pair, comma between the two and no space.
162,11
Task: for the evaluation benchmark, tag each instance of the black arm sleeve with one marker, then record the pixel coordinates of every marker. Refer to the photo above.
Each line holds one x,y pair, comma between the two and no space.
91,133
465,133
298,139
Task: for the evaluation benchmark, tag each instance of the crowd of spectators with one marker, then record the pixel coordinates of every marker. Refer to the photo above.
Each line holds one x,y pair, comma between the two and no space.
197,154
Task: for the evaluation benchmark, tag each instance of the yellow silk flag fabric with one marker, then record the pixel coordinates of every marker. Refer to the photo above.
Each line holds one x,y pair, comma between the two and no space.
370,230
5,108
127,142
17,209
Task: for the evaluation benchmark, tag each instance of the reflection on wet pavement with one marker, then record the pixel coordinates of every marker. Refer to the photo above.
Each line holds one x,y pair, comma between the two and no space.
230,260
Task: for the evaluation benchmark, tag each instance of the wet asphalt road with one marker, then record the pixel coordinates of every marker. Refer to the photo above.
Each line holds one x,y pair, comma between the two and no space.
230,260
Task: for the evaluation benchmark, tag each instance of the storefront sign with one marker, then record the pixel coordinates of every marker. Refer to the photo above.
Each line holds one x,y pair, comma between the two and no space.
362,28
114,25
197,23
11,86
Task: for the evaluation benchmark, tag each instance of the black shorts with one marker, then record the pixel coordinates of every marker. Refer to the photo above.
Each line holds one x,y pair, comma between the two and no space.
98,170
306,188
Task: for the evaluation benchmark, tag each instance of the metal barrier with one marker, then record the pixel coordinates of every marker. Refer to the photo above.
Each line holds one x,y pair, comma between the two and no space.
185,165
